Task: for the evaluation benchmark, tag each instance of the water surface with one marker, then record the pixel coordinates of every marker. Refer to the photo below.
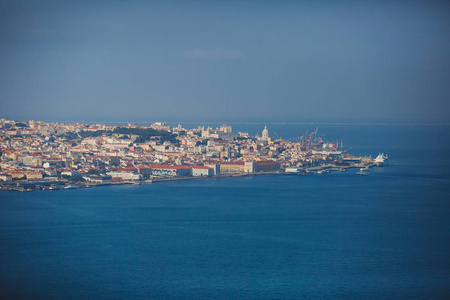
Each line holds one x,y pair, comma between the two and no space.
333,236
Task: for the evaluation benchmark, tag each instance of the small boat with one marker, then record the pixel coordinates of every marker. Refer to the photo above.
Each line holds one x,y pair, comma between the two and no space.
54,188
363,171
71,187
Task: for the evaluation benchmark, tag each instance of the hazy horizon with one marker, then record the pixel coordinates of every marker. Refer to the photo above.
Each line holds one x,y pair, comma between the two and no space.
195,61
173,122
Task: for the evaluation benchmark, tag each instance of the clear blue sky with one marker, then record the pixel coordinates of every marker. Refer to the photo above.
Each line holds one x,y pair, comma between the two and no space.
225,60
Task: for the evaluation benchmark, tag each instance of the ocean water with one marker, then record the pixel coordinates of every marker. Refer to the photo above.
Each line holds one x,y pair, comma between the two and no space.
330,236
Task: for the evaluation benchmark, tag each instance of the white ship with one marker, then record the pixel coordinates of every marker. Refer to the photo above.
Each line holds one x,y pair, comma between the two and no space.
380,159
70,187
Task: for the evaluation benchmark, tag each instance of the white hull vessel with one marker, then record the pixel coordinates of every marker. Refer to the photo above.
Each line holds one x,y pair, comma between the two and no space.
380,160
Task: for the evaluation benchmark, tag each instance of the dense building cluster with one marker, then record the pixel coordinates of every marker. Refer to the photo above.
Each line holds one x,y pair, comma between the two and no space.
101,153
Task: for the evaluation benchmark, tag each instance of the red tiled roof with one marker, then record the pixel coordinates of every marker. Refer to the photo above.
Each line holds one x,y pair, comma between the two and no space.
161,166
232,163
201,167
268,162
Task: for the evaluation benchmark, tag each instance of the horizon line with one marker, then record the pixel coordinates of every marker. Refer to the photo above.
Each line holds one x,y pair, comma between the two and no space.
247,123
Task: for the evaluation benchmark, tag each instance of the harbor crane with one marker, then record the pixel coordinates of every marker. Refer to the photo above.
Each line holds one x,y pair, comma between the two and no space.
315,134
277,135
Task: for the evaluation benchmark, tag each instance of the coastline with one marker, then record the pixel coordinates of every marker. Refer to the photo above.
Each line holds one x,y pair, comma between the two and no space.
33,185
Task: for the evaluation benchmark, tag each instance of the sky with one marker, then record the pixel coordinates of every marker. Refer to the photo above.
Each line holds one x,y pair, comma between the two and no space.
293,61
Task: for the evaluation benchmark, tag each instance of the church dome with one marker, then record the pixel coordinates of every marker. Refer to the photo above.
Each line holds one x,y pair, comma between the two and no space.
265,133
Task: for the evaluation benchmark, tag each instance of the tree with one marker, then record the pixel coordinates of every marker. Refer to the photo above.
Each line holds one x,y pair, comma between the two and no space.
76,178
18,124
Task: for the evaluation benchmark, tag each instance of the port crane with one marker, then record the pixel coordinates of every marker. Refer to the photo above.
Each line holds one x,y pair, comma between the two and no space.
311,140
277,135
315,134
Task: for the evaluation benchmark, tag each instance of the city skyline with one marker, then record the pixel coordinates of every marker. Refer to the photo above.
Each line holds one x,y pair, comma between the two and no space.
114,154
225,61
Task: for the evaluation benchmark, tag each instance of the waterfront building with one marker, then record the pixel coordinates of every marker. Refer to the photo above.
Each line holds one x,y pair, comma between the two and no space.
250,167
97,178
202,171
268,166
125,175
232,167
215,167
168,170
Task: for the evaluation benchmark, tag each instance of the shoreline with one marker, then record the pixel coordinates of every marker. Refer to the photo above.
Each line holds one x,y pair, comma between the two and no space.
30,185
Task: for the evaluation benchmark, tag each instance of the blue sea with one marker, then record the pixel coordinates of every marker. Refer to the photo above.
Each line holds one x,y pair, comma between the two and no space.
328,236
